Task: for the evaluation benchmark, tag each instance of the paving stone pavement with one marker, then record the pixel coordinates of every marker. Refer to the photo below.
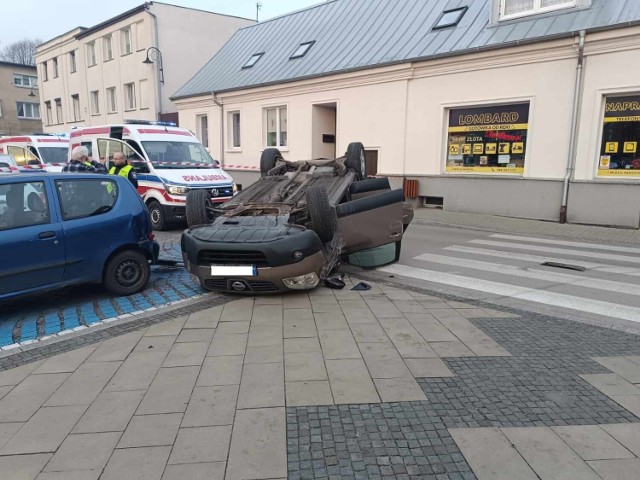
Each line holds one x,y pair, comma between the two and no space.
384,383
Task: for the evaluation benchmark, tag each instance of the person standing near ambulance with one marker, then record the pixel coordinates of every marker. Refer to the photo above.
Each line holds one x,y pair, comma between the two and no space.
122,168
81,162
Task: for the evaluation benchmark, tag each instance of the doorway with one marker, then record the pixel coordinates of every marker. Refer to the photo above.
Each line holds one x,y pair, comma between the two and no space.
323,130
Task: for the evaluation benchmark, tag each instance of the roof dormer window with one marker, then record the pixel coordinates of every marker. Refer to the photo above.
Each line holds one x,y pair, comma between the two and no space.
518,8
253,60
302,50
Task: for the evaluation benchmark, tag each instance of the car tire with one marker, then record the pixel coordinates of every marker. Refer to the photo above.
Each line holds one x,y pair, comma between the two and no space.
322,215
126,273
268,160
156,213
196,206
355,160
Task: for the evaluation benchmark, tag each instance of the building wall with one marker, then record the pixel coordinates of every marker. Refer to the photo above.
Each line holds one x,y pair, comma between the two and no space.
10,94
403,112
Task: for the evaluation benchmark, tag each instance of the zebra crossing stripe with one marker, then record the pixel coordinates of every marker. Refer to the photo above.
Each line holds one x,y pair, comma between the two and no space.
571,302
593,246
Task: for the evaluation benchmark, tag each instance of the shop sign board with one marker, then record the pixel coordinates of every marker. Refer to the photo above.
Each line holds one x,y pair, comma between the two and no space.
494,139
620,136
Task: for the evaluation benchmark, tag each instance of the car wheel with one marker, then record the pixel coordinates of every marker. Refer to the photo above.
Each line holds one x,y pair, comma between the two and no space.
158,220
356,160
268,160
126,273
196,205
323,216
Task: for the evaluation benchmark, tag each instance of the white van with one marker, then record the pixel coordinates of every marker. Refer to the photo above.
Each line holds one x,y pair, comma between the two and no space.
169,161
48,151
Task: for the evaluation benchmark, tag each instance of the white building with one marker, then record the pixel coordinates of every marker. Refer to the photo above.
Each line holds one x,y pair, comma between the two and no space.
101,75
524,108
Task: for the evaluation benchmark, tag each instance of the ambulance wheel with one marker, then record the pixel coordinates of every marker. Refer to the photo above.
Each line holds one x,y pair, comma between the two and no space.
158,220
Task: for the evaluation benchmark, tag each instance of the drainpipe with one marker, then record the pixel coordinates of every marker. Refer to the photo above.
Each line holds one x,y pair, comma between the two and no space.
219,104
571,159
156,42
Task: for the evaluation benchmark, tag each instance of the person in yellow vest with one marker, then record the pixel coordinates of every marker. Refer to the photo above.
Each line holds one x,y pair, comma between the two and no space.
120,167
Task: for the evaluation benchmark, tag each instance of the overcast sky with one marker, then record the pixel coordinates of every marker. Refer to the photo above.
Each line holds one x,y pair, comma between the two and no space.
46,19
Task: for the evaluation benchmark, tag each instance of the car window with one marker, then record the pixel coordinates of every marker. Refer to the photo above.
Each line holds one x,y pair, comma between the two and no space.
22,205
85,198
22,156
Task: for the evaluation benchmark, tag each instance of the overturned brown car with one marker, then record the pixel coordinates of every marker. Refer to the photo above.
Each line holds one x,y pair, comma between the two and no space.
293,227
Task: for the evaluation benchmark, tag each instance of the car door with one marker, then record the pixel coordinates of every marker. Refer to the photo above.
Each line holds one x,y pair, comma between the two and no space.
370,222
32,253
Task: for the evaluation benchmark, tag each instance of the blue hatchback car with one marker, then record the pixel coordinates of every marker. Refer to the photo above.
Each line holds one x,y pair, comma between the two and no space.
63,229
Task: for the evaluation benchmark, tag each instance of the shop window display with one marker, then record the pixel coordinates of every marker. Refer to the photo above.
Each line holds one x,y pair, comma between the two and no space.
619,154
489,140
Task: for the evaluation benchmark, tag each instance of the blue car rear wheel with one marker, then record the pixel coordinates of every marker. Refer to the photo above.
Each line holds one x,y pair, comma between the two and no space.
126,273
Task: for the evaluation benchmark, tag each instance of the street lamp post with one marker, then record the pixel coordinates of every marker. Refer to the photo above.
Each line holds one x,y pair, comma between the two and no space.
153,54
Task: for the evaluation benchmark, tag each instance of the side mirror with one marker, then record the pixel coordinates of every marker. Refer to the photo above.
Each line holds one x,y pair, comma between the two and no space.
140,167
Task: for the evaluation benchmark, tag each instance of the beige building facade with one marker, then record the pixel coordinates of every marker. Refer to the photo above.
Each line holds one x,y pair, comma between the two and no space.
126,67
19,99
485,131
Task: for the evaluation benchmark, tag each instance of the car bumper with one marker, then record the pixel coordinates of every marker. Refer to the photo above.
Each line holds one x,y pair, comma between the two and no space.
273,265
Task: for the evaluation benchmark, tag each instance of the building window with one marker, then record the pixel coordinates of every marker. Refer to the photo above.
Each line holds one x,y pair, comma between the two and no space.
112,105
450,18
517,8
95,103
91,54
72,62
302,50
59,117
490,139
276,126
28,110
234,130
202,130
253,60
75,101
107,48
125,38
129,96
20,80
55,67
619,155
144,94
49,113
45,73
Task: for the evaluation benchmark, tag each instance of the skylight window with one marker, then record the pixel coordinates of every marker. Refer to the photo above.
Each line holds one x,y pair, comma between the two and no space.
450,18
302,50
253,60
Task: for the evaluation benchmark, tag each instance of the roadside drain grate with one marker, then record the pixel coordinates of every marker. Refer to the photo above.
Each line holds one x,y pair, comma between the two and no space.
568,266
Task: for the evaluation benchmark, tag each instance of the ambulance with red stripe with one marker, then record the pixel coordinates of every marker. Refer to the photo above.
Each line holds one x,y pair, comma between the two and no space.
169,162
42,151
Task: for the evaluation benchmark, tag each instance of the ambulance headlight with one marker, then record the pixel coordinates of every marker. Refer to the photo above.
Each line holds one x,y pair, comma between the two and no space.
176,189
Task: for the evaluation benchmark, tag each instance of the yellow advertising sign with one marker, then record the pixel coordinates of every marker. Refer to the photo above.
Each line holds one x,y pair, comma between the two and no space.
487,170
621,119
454,149
517,147
618,173
491,148
484,128
466,149
630,147
478,148
605,161
504,148
611,147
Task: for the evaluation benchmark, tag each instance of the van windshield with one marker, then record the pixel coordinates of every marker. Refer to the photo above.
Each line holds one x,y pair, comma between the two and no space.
178,155
53,154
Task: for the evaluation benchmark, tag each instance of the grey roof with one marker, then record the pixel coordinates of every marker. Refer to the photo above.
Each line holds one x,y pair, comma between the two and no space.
359,34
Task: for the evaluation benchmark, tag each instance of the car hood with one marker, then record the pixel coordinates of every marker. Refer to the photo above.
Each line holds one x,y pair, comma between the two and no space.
254,229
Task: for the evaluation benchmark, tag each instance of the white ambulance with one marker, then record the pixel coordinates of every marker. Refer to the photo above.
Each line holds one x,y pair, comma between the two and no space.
46,151
169,161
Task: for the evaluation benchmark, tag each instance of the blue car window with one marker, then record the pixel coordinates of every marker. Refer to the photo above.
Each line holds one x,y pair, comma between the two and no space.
23,204
86,198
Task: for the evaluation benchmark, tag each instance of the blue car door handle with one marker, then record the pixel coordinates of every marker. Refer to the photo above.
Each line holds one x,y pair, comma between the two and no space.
47,235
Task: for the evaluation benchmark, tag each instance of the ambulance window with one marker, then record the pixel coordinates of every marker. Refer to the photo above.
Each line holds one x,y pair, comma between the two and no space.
88,145
34,151
21,155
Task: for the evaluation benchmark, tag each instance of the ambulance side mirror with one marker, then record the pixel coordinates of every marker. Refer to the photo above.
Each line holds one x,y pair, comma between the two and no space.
140,167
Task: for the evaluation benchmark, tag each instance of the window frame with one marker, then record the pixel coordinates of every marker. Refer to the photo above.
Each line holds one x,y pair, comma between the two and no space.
54,63
453,23
45,72
107,48
91,54
60,117
49,112
129,96
278,126
113,193
231,128
94,102
111,95
77,112
32,106
536,10
302,49
73,67
32,80
125,35
251,62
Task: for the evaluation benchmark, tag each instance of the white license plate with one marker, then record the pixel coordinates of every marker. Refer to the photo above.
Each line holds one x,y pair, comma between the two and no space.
234,270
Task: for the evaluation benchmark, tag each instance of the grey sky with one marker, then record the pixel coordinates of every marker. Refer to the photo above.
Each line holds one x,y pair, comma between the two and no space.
46,19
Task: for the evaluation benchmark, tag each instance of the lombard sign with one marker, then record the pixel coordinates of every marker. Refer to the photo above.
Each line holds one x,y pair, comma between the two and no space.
498,117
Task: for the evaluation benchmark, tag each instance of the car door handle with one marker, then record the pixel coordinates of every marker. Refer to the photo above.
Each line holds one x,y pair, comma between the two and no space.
47,235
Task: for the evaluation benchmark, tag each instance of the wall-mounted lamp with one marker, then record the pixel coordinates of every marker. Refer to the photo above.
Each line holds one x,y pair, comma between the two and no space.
154,54
31,94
